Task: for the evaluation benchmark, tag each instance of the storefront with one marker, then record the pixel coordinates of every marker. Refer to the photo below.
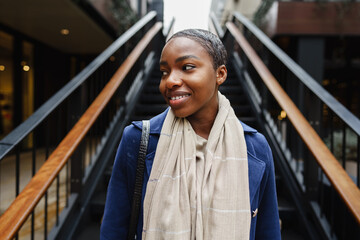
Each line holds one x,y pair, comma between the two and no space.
16,81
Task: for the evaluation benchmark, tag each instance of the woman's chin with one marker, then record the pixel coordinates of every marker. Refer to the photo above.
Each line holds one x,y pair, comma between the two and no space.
179,113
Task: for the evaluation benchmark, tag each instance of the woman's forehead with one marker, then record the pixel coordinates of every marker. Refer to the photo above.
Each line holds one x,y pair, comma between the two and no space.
181,45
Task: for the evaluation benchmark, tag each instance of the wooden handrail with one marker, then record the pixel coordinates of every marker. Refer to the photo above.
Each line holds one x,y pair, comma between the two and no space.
14,217
343,184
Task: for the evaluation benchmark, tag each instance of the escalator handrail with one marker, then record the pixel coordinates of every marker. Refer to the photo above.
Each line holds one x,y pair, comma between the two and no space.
167,31
13,218
341,181
216,25
342,112
19,133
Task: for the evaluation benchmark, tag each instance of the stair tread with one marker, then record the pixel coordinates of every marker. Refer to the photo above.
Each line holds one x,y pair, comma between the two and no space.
99,199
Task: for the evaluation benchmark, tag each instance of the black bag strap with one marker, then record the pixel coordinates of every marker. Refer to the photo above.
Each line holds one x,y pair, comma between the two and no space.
139,179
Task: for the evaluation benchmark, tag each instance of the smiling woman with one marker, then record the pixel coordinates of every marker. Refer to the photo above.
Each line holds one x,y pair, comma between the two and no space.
208,175
190,81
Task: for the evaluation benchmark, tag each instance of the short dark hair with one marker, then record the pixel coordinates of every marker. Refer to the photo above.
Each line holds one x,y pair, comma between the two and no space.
209,41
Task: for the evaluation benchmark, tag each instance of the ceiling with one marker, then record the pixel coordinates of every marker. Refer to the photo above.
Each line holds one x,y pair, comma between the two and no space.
43,20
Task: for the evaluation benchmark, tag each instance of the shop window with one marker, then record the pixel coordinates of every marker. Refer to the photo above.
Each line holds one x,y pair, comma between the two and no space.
27,80
6,86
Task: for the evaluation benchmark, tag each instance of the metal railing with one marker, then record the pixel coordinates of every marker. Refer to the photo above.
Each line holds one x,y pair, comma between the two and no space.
67,153
288,103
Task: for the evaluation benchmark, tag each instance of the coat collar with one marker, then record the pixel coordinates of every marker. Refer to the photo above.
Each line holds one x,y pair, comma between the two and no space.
157,122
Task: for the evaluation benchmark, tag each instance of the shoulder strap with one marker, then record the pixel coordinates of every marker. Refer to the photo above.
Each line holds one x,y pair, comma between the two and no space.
139,179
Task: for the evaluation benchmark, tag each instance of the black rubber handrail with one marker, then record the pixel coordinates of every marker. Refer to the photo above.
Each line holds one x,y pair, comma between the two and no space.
342,112
167,30
20,132
216,24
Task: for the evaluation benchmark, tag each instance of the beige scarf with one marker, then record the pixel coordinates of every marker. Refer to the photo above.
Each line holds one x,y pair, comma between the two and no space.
182,203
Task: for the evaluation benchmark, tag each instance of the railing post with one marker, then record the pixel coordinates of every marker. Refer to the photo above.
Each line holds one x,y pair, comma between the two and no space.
296,145
76,170
229,42
311,58
76,105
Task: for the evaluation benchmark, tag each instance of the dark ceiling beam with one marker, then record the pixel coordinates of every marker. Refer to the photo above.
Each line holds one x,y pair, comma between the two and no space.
97,17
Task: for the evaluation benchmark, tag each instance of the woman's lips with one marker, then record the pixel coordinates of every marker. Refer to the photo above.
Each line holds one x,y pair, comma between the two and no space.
177,101
179,97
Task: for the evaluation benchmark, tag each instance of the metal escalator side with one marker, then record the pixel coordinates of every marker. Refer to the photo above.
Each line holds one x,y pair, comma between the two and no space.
325,195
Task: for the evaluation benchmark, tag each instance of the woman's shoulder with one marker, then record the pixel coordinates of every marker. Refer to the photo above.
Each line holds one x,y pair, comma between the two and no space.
253,136
155,123
132,133
256,144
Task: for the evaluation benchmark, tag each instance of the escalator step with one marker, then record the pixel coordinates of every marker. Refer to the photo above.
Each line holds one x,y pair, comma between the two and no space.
231,81
142,117
242,110
154,81
152,98
154,89
98,204
237,99
150,109
230,89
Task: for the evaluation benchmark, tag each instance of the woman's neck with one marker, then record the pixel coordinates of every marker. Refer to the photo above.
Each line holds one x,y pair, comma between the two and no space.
202,126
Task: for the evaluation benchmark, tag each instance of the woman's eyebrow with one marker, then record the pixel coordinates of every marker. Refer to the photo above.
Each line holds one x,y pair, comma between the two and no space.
185,57
165,63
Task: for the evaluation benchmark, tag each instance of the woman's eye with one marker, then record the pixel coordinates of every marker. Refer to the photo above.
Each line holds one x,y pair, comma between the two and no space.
188,67
163,73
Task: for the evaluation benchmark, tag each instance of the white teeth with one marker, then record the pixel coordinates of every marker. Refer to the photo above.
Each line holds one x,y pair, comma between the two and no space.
179,97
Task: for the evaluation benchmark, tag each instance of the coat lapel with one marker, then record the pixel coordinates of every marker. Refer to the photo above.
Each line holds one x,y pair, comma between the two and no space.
256,166
256,172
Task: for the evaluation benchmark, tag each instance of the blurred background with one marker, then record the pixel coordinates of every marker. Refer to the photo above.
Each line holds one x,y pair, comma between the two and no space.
57,57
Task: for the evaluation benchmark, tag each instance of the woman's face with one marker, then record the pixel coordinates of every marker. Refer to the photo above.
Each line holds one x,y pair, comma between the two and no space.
189,82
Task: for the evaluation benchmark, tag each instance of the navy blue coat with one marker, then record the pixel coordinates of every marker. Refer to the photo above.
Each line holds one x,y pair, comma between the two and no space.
264,224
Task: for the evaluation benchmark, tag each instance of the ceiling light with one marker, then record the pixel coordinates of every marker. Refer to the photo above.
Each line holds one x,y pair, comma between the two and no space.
64,31
26,68
2,68
283,114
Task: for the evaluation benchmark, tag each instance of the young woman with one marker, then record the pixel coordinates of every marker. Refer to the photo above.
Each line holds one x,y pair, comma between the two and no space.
208,176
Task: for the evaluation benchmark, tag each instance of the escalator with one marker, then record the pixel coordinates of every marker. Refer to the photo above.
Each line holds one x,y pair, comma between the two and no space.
151,103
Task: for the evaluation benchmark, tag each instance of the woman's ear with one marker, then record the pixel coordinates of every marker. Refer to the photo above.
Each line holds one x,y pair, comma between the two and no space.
221,74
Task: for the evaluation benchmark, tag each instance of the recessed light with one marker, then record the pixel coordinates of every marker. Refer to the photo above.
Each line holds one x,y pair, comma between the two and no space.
26,68
283,114
64,31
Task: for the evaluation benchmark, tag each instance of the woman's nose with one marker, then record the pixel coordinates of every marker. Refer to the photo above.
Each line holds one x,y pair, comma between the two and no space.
173,80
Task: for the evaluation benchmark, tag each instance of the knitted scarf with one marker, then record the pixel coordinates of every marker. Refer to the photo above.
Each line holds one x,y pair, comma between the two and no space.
180,203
